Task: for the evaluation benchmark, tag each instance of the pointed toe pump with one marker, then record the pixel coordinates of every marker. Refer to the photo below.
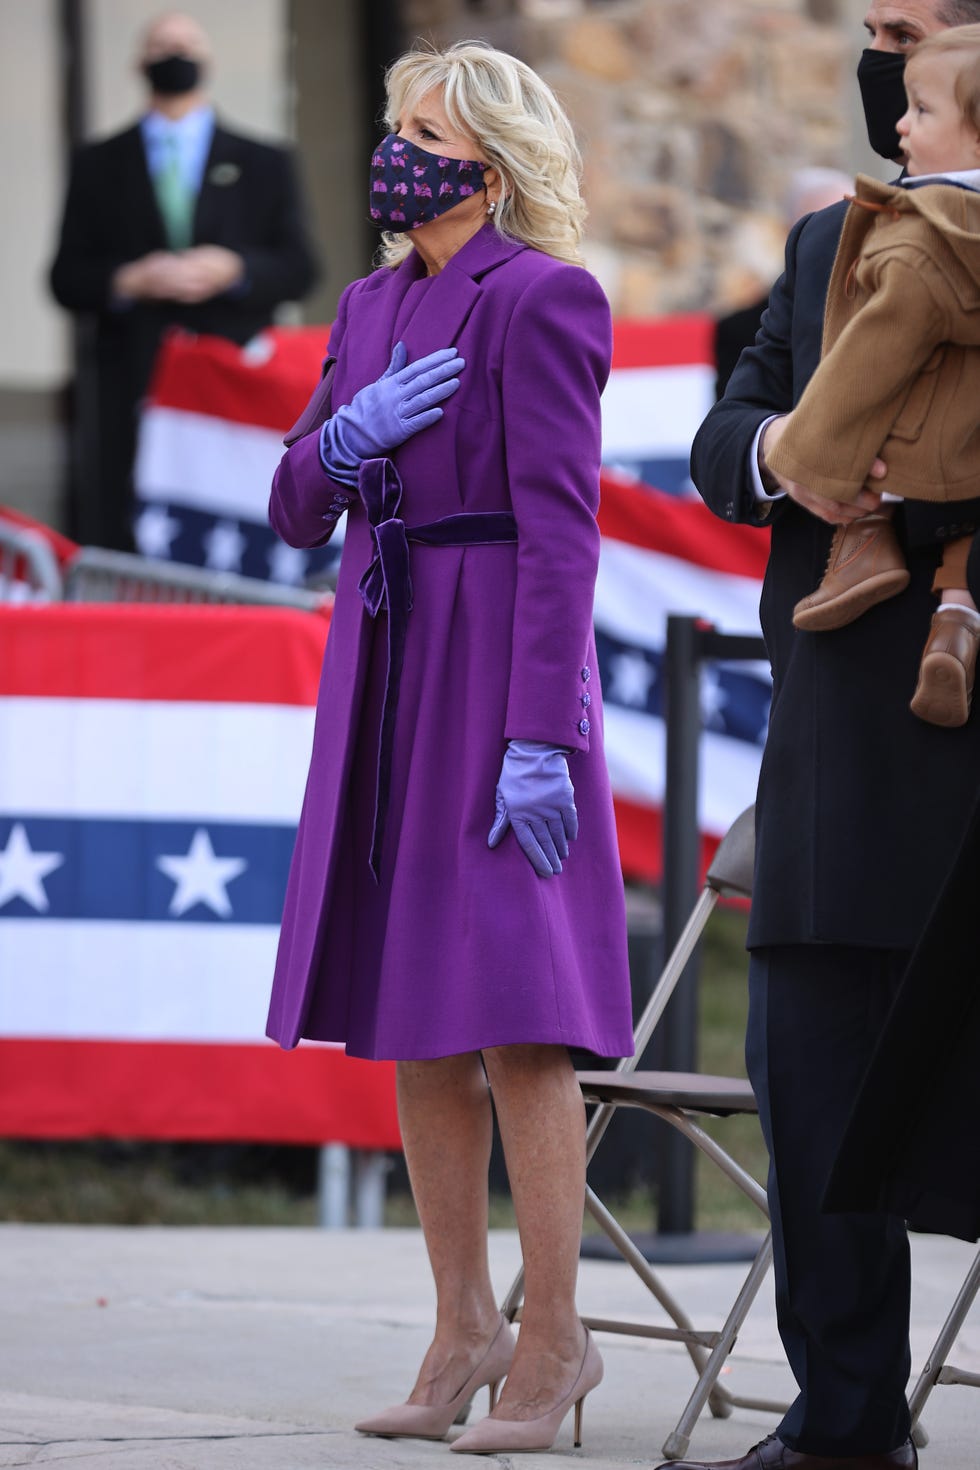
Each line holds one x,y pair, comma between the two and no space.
499,1436
433,1421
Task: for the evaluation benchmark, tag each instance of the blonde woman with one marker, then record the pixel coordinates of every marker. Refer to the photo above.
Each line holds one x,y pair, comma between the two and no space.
455,900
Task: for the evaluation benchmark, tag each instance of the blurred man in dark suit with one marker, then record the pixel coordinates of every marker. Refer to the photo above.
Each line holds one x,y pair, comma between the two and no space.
809,189
175,222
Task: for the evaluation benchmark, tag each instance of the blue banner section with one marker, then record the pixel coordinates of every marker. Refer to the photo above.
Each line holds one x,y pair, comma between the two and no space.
672,476
181,872
174,532
734,700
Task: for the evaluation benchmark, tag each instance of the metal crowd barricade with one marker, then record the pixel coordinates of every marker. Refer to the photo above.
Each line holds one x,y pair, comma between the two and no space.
96,575
29,570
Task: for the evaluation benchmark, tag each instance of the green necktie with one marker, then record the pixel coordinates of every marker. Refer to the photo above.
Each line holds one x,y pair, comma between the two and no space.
176,199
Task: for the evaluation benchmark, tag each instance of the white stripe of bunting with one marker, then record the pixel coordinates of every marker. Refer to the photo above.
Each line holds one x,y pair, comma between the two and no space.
149,758
135,982
654,412
214,465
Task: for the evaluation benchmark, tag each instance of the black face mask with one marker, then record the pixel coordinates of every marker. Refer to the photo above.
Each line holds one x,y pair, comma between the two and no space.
172,75
880,76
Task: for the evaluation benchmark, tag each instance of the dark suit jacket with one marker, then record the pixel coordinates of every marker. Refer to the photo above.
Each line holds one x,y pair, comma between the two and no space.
733,333
861,806
249,201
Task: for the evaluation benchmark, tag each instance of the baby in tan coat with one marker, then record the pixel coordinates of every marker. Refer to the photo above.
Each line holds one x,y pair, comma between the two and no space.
900,373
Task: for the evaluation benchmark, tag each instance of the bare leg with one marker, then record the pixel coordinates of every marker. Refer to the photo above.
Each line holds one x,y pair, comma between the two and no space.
960,596
542,1125
446,1125
949,582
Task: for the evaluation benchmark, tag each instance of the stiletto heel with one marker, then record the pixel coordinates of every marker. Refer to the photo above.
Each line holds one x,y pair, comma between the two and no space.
433,1421
497,1436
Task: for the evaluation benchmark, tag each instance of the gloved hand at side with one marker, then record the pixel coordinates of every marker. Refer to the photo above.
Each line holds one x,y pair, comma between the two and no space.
383,415
535,796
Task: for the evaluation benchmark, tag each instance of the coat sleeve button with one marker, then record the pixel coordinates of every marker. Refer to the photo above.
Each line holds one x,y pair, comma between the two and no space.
584,727
586,674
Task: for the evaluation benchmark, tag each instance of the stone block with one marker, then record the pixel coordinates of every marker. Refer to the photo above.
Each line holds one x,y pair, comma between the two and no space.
598,47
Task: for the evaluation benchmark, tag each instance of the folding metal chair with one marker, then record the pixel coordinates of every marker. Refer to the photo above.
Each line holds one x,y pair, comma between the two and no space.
938,1368
679,1098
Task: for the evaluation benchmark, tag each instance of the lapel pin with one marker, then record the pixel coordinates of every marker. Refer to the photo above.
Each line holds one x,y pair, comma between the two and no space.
223,174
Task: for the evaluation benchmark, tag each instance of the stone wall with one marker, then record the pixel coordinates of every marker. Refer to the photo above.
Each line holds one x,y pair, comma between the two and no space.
692,115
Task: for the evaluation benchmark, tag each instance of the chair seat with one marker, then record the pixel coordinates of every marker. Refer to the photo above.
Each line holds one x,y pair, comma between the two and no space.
721,1096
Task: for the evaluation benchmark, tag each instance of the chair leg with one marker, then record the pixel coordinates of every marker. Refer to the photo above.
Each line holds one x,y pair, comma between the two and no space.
511,1303
948,1333
643,1269
676,1443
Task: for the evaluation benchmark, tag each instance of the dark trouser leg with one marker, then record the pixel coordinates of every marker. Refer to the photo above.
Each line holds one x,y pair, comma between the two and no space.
842,1281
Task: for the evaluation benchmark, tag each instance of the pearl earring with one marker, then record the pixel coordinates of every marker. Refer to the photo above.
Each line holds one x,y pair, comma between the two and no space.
491,209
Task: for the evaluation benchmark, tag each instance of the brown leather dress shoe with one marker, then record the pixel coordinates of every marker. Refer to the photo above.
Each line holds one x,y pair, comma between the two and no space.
772,1454
865,565
945,688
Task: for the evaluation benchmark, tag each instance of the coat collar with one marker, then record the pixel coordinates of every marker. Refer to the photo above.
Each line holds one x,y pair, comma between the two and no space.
483,252
136,186
435,313
446,302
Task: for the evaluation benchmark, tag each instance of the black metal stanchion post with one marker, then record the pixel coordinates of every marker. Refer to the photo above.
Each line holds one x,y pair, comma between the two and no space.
675,1212
690,641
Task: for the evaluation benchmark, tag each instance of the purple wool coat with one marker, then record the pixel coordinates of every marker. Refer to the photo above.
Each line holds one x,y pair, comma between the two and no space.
456,947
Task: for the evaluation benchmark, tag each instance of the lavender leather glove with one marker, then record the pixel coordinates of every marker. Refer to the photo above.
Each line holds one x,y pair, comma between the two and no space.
535,796
383,415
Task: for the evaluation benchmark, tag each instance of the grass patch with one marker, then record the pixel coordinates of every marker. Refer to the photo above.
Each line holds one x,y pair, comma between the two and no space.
98,1183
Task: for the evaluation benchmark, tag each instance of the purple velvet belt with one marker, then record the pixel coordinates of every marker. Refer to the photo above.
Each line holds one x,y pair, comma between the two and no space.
387,585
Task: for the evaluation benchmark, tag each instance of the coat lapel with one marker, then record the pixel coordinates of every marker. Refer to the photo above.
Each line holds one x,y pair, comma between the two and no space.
367,348
138,189
440,315
222,173
445,307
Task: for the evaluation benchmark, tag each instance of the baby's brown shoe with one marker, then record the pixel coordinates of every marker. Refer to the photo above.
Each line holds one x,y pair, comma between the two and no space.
945,688
865,565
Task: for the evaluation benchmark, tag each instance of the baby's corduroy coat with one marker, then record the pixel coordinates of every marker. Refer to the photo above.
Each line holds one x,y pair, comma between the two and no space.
899,375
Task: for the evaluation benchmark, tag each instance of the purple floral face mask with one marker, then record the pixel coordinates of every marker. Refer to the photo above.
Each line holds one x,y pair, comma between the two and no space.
410,187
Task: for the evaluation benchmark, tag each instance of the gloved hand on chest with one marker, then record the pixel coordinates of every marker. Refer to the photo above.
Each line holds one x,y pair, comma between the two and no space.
404,400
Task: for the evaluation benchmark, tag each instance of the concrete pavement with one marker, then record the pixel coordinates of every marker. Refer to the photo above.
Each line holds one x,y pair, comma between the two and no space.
248,1349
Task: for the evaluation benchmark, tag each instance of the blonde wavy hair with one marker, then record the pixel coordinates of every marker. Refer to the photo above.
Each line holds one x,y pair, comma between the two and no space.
522,130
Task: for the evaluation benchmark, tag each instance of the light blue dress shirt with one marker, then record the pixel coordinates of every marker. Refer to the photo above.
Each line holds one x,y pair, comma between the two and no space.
191,135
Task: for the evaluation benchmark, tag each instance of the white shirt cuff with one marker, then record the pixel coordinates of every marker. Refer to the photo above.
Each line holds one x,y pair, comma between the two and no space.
761,493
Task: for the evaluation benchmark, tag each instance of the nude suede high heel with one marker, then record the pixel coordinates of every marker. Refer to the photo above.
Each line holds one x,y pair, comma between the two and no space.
433,1421
498,1436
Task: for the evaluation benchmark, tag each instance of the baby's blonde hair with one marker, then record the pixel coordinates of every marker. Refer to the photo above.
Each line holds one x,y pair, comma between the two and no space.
964,42
521,129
